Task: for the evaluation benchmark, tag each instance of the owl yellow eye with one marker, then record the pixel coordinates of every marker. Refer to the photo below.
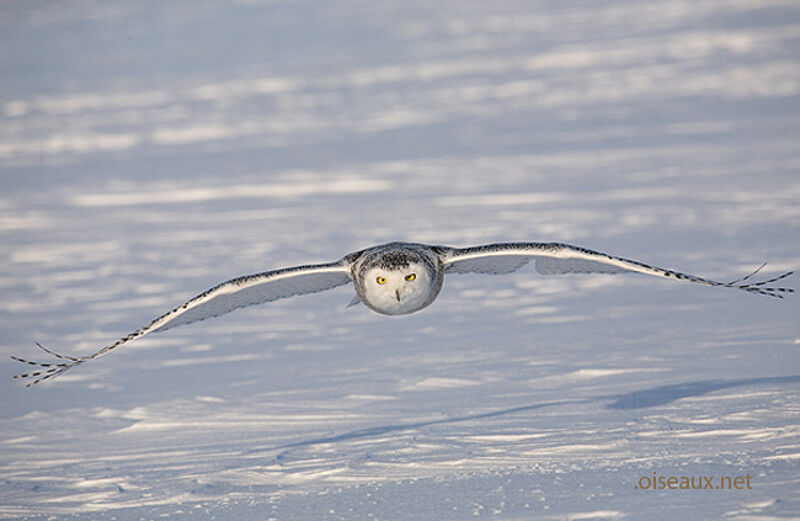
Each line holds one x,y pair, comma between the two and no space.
381,280
411,276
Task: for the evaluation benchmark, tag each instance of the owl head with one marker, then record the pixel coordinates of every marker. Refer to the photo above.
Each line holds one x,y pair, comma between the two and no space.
397,284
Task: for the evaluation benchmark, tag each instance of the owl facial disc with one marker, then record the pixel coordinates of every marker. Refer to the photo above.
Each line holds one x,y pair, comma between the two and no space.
398,281
397,291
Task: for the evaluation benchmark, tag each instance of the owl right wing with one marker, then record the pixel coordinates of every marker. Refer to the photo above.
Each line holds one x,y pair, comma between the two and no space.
556,258
236,293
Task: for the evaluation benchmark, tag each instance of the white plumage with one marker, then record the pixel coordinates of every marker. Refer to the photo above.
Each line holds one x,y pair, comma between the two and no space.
393,279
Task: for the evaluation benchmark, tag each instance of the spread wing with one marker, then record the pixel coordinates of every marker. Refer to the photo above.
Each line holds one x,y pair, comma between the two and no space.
223,298
556,258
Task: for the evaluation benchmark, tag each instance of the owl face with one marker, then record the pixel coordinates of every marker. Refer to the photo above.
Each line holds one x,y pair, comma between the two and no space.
398,290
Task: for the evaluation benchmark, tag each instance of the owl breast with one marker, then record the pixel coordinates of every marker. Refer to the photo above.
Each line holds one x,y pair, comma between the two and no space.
398,278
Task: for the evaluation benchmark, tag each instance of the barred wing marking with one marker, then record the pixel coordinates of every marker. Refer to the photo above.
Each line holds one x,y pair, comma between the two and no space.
556,258
258,289
503,263
494,264
551,266
223,298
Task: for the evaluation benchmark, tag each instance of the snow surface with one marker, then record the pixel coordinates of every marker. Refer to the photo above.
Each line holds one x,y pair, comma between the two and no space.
151,150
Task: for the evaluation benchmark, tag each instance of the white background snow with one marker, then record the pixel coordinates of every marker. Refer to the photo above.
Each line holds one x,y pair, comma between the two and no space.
150,150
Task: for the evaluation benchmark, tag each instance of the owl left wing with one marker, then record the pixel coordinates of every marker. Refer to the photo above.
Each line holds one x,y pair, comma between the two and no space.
557,258
236,293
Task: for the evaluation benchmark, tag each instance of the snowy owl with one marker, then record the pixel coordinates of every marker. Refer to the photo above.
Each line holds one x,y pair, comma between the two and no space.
397,278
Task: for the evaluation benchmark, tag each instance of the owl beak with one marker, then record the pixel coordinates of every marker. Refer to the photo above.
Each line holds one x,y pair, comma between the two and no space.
397,293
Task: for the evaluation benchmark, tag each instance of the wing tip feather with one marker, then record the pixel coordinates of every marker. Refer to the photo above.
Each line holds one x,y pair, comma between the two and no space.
48,370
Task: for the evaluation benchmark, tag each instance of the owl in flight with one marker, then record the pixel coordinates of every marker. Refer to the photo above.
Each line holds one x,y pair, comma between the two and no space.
397,278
